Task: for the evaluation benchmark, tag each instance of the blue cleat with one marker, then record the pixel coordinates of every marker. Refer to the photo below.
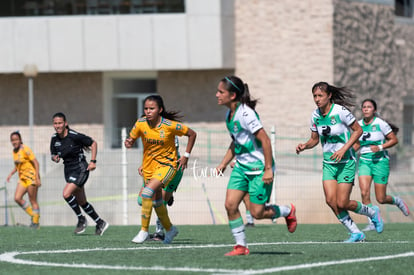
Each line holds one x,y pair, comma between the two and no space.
377,220
356,238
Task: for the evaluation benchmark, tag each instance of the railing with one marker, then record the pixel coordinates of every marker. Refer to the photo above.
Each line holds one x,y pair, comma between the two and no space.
113,187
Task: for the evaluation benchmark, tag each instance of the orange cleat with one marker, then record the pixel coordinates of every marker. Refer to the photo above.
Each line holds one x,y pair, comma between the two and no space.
291,221
238,250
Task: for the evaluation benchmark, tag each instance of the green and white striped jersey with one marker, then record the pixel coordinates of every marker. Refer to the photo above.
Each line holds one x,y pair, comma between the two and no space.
242,127
334,131
374,134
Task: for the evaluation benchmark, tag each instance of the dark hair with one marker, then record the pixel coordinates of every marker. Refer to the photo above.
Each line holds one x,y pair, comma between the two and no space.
394,128
172,115
339,95
17,133
61,115
235,85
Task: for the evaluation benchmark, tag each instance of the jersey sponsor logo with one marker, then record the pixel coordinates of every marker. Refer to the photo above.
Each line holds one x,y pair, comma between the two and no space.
365,136
154,141
326,130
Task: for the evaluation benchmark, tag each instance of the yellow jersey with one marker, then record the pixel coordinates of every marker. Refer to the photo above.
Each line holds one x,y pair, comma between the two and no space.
159,142
23,160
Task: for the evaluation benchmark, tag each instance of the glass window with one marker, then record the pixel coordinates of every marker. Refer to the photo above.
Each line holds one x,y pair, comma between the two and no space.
404,8
90,7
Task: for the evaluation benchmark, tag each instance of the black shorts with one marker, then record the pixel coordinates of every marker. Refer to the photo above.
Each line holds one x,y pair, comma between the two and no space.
77,174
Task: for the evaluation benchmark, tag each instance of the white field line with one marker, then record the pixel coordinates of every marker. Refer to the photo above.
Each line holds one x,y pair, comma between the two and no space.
10,257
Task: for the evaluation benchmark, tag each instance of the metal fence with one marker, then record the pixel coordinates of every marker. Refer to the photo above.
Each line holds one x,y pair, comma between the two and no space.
113,187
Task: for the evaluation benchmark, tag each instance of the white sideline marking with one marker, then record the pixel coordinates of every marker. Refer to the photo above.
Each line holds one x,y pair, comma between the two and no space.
10,257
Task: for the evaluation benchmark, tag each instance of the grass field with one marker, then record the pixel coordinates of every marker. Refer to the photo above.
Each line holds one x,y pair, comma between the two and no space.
312,249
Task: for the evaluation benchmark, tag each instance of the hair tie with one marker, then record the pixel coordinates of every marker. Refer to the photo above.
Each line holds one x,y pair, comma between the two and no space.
232,83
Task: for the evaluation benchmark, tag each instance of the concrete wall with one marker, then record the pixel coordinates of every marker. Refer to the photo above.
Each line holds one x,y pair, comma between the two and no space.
282,49
79,95
120,42
373,55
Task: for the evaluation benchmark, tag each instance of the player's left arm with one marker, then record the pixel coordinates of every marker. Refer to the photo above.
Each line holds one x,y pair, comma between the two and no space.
37,169
357,132
94,152
267,152
391,140
192,135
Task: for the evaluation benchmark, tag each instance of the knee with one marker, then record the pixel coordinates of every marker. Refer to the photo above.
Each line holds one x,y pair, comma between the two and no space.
381,199
331,202
256,214
230,208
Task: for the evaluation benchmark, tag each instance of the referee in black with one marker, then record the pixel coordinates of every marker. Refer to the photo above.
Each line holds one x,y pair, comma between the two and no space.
69,145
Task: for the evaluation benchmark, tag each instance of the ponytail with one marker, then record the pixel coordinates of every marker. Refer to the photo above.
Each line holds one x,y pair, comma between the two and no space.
339,95
235,85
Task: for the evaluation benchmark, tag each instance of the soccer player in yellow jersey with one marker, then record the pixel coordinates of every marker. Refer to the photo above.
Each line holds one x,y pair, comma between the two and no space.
27,167
157,131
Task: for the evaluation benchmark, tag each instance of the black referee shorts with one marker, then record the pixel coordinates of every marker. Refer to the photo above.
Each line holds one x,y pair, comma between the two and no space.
77,174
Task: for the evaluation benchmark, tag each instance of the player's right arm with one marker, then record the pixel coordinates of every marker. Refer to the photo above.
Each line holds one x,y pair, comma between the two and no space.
133,135
228,157
312,142
11,174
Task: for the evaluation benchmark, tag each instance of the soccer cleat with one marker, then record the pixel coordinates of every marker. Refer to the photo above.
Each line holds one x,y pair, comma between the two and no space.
141,237
81,226
356,238
34,225
402,206
170,201
101,226
370,227
169,235
238,250
249,224
377,220
291,221
157,236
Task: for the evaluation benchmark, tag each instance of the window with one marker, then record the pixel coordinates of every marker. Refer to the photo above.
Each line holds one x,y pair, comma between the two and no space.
128,105
404,8
408,121
9,8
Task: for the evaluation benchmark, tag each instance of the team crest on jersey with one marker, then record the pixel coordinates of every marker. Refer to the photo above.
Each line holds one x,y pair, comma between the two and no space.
333,120
374,128
162,134
236,127
58,143
145,133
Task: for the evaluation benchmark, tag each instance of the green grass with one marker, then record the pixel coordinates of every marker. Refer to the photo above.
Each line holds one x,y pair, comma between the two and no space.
200,250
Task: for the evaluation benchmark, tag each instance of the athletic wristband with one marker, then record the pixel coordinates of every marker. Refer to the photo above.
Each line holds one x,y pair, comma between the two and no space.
93,160
380,147
186,154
